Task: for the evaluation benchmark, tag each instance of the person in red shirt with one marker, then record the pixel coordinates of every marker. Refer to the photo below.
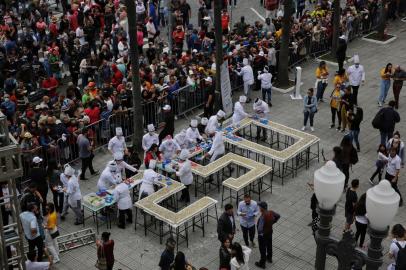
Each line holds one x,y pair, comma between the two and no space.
50,84
53,27
178,36
225,20
73,20
105,249
117,76
93,111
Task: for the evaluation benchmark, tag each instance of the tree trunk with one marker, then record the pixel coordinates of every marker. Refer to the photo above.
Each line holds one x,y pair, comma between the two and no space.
382,20
219,52
336,27
283,62
136,88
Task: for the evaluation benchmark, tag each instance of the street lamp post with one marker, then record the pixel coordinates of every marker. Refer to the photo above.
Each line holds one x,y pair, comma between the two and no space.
382,204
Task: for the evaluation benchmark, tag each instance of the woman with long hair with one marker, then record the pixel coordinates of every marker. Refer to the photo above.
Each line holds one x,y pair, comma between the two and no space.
225,254
51,232
180,262
240,256
386,74
361,221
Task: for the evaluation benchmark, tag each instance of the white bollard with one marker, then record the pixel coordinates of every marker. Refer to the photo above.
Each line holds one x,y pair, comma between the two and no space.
296,94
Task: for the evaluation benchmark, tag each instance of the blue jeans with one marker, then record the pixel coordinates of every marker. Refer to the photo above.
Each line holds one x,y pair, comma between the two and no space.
354,137
308,114
385,85
320,90
267,92
385,136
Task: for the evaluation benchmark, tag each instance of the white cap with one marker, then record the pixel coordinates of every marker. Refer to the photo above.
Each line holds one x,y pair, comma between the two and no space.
119,131
58,122
245,61
258,101
242,99
118,156
194,51
184,154
356,59
343,37
86,119
37,160
152,164
266,68
151,128
193,123
208,79
69,171
221,114
204,121
167,107
112,166
261,53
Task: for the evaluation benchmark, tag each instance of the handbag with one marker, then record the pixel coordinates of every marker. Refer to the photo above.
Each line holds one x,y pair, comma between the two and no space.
55,234
101,262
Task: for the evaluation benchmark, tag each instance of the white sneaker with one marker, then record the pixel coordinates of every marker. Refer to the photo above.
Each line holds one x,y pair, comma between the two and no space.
312,129
380,104
303,128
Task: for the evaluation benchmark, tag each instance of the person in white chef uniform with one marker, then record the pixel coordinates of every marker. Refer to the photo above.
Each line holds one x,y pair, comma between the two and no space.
192,134
261,109
180,138
169,147
213,123
74,194
239,112
110,176
122,165
124,204
185,175
150,179
150,138
117,143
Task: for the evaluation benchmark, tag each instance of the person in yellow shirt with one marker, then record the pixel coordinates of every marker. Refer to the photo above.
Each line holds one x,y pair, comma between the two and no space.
321,80
341,78
335,100
386,74
51,232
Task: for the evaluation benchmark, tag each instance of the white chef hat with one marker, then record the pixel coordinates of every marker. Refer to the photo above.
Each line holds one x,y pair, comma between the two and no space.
266,68
184,154
343,37
193,123
112,166
69,171
118,156
152,164
204,121
119,131
258,101
221,114
167,107
261,53
37,160
242,99
151,128
245,61
356,59
208,79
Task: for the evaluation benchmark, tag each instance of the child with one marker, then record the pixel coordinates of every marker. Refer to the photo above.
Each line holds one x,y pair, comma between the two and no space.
380,163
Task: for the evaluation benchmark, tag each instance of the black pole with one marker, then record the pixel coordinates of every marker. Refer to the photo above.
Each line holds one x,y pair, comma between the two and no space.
336,26
136,87
219,52
375,255
323,236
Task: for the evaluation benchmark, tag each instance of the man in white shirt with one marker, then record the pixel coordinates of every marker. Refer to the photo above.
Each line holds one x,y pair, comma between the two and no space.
151,30
80,34
217,148
356,76
122,165
32,263
213,123
117,143
266,84
110,176
150,179
261,109
392,171
185,175
74,195
239,113
192,134
124,204
30,226
150,138
180,138
247,76
169,147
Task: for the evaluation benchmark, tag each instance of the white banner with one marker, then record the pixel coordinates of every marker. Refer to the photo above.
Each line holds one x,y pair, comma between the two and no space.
226,89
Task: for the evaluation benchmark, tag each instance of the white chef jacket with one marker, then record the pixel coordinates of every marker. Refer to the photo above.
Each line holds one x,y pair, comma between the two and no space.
247,74
266,80
148,140
212,125
185,172
73,191
180,138
169,148
193,135
261,110
217,149
117,145
122,196
64,180
124,165
239,113
147,184
356,75
107,179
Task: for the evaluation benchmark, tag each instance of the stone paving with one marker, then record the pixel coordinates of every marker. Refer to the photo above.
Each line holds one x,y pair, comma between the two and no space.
294,246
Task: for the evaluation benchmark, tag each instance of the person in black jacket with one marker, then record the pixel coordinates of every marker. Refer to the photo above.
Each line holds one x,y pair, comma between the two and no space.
355,117
226,224
225,254
341,49
168,124
388,119
39,177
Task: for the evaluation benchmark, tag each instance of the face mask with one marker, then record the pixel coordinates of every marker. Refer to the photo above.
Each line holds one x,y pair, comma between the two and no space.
356,65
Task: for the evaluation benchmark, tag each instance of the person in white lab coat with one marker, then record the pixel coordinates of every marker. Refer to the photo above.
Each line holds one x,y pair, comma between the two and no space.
150,138
110,176
169,147
213,123
217,149
65,180
150,179
74,194
356,77
117,143
239,113
261,109
124,204
202,126
122,165
185,174
192,134
180,138
247,76
266,84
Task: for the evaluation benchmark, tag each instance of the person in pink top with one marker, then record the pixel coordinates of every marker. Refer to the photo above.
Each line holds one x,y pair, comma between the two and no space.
140,39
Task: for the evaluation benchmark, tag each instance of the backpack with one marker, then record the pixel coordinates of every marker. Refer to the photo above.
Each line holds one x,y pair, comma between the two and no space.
401,258
378,119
